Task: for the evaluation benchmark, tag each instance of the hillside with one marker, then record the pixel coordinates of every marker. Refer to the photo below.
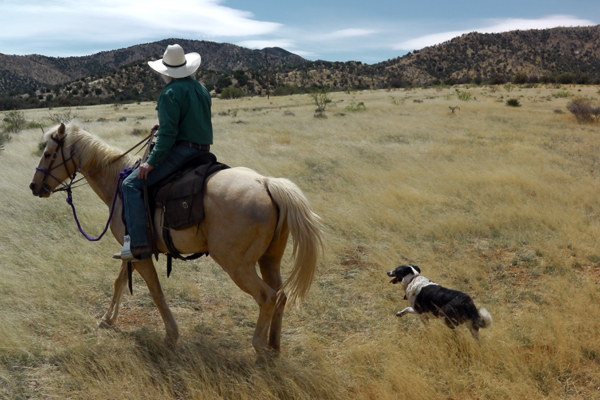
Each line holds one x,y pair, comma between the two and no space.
562,55
19,74
547,52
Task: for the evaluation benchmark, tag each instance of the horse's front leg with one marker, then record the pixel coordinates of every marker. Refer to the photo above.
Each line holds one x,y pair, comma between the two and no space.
148,272
110,317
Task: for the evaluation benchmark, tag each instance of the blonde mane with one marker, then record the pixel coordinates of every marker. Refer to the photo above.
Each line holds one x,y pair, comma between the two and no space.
91,150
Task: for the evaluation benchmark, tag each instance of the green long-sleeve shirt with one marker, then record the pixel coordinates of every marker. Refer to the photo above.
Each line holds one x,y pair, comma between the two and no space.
183,114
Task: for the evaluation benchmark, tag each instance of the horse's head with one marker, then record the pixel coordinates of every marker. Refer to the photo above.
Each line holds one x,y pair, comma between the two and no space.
56,165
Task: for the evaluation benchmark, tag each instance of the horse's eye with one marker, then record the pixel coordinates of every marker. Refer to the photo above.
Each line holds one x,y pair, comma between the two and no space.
47,155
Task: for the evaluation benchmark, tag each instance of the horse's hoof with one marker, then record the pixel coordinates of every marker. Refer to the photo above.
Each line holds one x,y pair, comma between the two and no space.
104,324
170,342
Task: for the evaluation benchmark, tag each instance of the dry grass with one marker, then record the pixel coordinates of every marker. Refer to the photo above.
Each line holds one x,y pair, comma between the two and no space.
499,202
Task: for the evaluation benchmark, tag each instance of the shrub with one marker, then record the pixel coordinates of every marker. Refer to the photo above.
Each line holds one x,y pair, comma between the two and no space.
584,110
353,107
464,96
565,78
520,78
232,93
286,90
14,121
62,117
497,79
321,99
513,103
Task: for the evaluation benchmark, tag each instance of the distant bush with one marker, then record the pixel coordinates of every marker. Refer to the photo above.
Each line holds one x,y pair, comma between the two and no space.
286,90
497,80
513,103
561,95
62,117
565,78
14,121
353,107
232,93
520,78
584,110
464,96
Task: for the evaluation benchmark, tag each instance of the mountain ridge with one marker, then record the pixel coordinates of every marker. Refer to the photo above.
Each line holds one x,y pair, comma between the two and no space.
562,55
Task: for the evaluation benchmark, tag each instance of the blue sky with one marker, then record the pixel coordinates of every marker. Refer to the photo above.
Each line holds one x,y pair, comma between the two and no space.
370,31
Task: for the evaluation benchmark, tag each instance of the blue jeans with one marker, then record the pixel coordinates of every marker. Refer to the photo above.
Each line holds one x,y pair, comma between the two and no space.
133,191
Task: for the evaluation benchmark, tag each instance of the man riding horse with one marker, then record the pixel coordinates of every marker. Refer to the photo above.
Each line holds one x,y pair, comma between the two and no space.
184,130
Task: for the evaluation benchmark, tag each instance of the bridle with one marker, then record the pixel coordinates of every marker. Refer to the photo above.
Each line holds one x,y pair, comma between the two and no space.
51,167
67,187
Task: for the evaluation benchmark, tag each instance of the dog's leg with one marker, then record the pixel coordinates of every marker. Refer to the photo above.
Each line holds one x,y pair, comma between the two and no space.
407,310
474,329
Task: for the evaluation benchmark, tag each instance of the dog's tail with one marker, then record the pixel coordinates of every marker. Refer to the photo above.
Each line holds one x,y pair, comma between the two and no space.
486,318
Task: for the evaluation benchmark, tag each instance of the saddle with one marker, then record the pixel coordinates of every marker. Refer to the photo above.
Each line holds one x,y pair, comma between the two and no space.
180,196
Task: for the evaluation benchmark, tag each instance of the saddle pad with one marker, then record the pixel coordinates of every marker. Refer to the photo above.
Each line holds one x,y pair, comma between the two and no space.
181,197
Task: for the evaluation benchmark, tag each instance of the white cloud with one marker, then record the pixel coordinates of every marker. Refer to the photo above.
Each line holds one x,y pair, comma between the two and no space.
349,33
50,22
496,26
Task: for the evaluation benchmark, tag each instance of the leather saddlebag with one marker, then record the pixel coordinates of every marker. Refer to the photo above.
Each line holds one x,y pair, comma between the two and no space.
182,197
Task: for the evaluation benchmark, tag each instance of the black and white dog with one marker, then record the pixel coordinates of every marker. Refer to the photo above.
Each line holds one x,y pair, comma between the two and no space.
427,298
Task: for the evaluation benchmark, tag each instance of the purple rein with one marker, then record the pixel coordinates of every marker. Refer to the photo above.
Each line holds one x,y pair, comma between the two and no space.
122,175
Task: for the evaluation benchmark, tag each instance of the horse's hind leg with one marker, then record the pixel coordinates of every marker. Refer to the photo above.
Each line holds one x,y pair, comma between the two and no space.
110,316
148,272
248,280
272,277
270,269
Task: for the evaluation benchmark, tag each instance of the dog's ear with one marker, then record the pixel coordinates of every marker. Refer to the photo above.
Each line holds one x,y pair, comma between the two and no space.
417,268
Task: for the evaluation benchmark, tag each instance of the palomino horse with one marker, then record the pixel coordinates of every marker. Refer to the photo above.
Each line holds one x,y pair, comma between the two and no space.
247,220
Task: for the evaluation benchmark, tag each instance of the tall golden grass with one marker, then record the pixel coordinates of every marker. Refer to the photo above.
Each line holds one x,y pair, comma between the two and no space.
496,201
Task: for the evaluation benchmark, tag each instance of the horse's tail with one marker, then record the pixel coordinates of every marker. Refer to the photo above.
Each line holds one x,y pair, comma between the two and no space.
306,235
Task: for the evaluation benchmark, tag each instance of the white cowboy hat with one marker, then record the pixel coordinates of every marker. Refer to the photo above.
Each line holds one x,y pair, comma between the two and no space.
176,64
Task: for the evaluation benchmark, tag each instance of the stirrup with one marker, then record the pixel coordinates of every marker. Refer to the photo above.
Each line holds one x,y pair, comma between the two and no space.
126,254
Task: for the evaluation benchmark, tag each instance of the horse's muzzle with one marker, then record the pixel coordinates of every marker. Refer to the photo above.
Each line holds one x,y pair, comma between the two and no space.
42,191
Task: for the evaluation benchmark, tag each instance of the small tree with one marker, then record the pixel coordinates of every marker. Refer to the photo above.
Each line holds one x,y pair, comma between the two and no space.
520,78
321,98
565,78
232,93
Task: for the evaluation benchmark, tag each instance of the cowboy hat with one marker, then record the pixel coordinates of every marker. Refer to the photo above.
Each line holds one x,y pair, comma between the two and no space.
175,63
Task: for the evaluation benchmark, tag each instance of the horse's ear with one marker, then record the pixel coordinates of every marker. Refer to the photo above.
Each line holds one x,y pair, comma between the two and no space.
61,131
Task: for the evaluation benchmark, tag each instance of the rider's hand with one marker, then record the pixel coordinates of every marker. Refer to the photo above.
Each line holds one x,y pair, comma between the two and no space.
154,128
144,170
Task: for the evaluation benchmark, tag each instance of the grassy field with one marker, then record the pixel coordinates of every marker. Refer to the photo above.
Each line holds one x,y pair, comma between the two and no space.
500,202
